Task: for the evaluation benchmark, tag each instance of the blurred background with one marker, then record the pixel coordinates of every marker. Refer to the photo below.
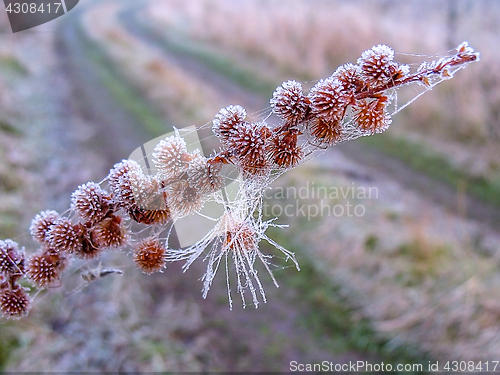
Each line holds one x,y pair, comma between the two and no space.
411,277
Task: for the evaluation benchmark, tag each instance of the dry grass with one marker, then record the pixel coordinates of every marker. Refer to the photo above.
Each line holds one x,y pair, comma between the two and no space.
411,268
179,97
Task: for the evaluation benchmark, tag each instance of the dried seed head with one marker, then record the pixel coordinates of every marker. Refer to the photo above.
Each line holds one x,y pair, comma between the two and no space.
350,77
289,102
227,120
377,65
146,191
41,224
90,202
249,144
183,200
205,176
240,236
127,185
284,150
88,250
44,268
64,236
15,303
149,256
371,115
119,170
150,217
329,100
325,133
11,258
171,157
109,233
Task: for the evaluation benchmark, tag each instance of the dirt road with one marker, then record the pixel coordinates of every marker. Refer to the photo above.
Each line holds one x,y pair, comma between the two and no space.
161,321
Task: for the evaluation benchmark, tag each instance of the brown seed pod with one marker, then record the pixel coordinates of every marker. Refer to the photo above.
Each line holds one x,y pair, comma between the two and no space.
171,157
284,150
149,256
325,133
371,115
41,224
64,236
289,103
120,169
227,120
249,145
329,100
148,217
91,202
240,236
128,184
205,176
14,303
44,268
109,233
183,200
11,258
147,191
350,77
377,65
88,250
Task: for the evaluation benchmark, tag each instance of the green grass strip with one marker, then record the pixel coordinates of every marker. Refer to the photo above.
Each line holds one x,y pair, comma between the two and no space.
218,63
11,65
126,95
423,159
178,43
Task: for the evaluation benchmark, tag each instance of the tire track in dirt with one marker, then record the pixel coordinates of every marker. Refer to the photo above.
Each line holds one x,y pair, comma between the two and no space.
231,335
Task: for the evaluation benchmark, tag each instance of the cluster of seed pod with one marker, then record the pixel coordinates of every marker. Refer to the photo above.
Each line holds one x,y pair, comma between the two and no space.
352,102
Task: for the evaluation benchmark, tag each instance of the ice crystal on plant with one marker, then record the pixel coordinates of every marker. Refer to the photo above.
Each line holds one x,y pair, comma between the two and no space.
227,120
289,102
109,233
329,100
90,202
234,239
11,258
14,303
44,268
64,236
171,157
205,176
41,224
183,199
149,255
